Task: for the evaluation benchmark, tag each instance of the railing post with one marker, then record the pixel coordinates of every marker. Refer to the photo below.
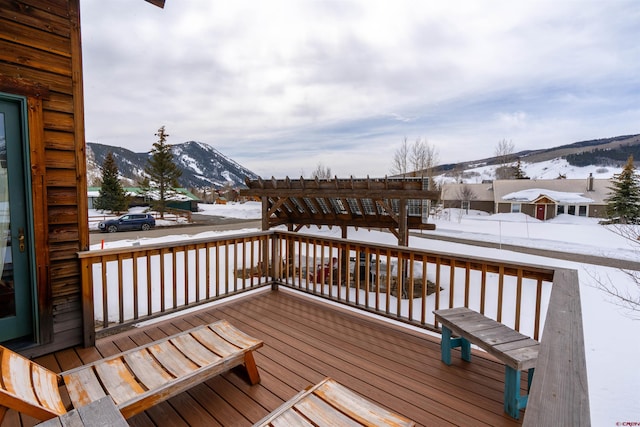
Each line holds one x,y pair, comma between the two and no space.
88,320
275,258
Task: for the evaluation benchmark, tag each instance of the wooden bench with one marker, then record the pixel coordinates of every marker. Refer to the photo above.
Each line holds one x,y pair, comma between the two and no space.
136,379
329,404
518,352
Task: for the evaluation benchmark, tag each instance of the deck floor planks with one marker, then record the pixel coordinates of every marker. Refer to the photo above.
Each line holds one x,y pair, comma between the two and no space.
304,342
355,358
319,360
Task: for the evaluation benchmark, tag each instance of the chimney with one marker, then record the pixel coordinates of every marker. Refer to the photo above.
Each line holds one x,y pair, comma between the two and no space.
590,182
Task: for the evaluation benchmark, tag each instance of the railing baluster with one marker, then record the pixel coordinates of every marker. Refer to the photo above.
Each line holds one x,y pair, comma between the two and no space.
518,300
105,295
120,290
467,283
500,293
136,295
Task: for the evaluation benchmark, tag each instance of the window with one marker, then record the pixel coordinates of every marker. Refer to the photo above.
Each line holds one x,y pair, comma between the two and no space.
560,209
582,211
572,210
516,207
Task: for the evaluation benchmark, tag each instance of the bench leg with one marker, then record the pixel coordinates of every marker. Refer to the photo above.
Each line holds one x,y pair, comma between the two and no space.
513,401
252,368
447,343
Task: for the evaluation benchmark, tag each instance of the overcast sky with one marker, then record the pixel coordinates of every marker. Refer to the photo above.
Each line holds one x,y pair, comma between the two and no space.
280,86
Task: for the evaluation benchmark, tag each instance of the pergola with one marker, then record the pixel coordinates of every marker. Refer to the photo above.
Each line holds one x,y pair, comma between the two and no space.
396,204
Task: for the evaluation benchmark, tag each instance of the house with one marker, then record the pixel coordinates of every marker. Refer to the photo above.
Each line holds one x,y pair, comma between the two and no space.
541,199
468,196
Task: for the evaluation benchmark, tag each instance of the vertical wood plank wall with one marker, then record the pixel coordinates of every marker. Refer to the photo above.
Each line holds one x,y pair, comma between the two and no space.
40,58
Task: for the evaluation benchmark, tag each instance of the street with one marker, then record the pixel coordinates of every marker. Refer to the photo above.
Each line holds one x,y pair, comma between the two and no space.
200,225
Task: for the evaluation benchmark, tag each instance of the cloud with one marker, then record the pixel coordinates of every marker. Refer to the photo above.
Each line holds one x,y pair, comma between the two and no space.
279,86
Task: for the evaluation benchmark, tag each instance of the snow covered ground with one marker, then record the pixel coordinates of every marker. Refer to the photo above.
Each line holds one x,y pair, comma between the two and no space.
611,333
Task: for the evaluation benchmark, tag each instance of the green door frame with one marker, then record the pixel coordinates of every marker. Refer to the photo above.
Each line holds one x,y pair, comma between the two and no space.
24,177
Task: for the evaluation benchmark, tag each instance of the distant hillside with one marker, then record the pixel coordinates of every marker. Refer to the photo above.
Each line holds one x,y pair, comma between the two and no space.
607,152
202,165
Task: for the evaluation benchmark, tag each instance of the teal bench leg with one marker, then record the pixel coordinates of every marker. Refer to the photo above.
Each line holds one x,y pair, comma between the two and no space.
448,343
513,401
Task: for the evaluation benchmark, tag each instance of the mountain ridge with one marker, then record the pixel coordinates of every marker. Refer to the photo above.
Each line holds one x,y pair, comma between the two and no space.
625,143
202,165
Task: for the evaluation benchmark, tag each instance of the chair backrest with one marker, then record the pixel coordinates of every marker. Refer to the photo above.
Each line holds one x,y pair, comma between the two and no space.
28,387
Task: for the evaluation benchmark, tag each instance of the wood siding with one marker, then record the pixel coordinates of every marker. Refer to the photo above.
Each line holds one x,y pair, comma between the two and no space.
40,58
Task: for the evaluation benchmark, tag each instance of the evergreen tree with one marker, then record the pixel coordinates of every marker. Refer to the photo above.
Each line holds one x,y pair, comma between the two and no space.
162,171
624,199
112,196
518,173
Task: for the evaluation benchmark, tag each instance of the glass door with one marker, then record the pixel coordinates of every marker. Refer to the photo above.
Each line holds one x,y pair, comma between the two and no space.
16,316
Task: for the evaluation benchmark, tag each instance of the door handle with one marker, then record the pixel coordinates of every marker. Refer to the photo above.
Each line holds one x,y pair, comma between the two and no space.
21,241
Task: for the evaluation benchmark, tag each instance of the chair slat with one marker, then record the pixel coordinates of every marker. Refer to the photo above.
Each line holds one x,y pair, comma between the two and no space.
45,384
16,387
83,386
118,380
320,412
195,351
357,407
235,336
147,369
172,360
290,418
214,343
16,377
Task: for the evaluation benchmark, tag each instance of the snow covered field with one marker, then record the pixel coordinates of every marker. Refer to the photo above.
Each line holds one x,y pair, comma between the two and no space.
611,333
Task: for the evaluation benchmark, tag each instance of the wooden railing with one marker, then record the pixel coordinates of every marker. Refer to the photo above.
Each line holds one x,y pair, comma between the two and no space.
122,286
126,285
408,284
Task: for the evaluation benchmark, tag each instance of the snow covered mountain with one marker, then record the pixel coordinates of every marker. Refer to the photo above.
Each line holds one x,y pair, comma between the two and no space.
202,165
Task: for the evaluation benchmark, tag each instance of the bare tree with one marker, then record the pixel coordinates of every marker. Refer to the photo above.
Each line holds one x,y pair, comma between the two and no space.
504,155
321,172
504,152
423,158
418,158
627,298
400,162
466,193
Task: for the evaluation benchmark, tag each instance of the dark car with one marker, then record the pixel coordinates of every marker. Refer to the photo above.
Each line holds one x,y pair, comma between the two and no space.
128,222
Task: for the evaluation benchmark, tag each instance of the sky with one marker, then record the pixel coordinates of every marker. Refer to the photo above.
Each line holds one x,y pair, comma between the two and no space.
283,86
613,387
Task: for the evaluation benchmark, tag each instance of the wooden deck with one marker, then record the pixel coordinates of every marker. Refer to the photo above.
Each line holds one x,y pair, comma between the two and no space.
306,341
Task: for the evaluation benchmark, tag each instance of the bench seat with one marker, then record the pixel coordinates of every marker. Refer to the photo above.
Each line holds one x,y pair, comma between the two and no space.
517,351
136,379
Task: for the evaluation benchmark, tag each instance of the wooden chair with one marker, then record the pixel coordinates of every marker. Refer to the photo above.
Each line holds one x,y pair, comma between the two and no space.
136,379
328,404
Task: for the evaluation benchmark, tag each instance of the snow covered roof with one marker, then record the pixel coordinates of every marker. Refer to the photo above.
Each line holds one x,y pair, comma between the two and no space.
596,195
533,194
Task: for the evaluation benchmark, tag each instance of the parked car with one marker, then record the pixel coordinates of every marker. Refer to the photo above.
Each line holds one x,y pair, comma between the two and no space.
127,222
